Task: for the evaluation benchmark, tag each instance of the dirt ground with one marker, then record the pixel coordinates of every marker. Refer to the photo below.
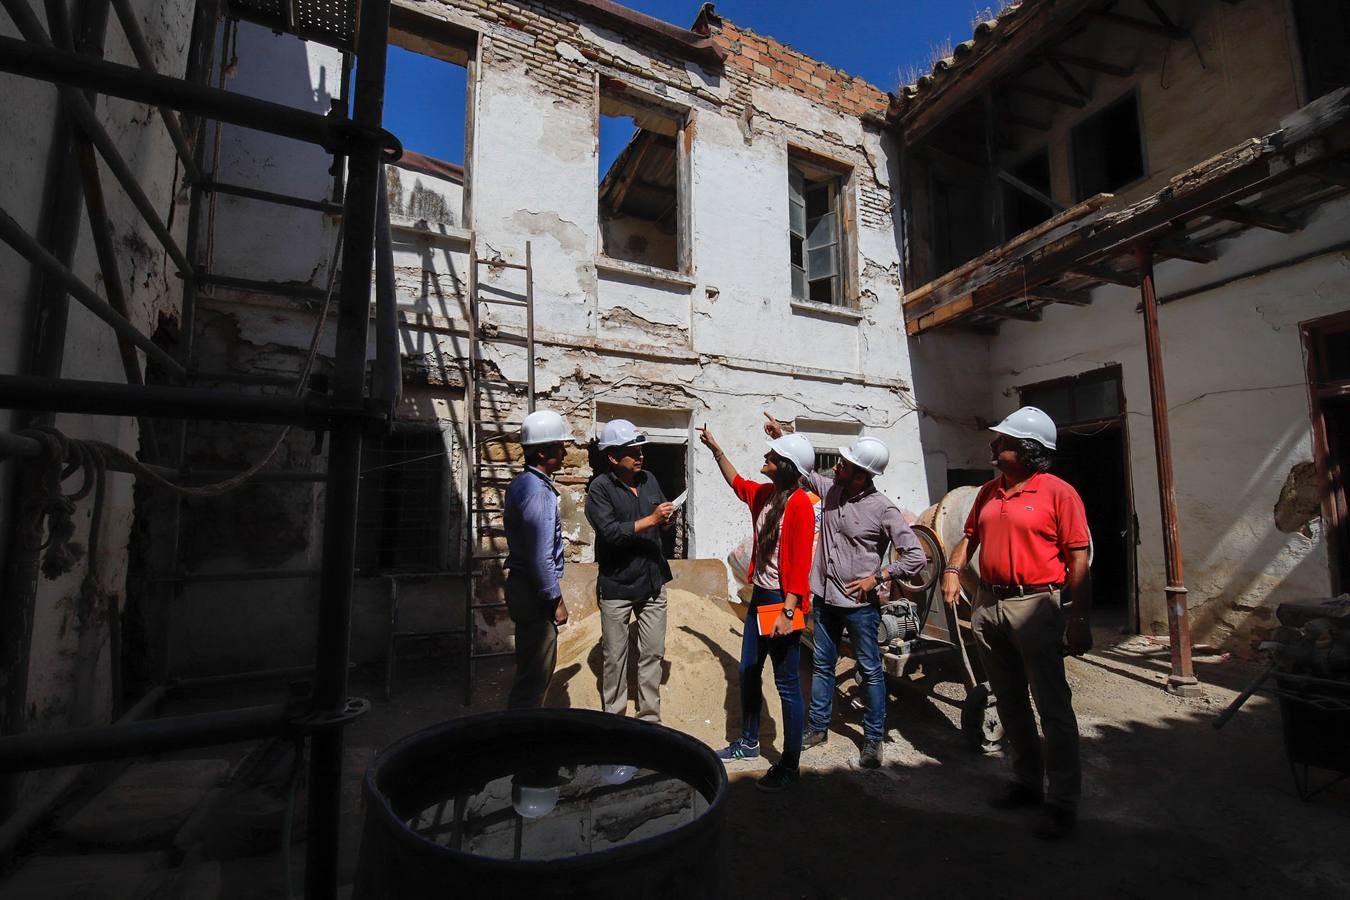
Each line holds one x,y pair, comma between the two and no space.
1172,806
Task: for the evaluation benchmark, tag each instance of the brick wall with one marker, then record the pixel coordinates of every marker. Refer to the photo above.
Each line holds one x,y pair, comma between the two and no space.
775,64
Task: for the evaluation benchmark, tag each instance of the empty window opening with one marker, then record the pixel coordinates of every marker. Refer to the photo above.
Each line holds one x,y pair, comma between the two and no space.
426,102
639,185
1022,211
815,232
1323,34
1108,149
403,521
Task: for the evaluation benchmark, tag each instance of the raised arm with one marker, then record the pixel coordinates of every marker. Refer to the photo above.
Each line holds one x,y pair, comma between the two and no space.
728,470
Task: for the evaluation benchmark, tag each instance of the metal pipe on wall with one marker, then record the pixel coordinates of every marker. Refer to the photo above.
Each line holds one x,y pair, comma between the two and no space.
1182,679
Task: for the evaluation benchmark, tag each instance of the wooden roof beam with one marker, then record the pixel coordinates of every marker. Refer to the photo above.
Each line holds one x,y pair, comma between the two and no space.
1092,65
1030,191
1334,173
1165,29
1107,274
1060,295
1044,94
1006,312
1180,248
1258,218
1067,77
1028,122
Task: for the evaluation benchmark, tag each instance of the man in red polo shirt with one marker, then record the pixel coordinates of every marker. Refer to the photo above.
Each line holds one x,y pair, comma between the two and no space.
1031,609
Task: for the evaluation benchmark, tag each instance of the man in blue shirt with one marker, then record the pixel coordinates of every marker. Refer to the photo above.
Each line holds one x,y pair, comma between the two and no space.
534,558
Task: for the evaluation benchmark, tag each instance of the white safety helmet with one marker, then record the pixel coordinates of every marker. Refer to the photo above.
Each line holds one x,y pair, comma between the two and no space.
533,802
621,433
796,448
868,454
1029,422
542,426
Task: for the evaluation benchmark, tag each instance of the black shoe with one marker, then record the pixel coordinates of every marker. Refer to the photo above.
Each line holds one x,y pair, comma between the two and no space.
870,758
1016,796
813,738
1057,823
778,778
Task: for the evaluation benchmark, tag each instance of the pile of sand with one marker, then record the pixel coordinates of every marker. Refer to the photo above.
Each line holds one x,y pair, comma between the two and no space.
699,692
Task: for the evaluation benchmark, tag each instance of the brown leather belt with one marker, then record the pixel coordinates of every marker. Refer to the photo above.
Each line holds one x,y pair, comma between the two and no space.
1004,591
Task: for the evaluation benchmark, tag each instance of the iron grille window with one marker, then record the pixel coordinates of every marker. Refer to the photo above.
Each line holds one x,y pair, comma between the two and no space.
826,460
814,231
402,522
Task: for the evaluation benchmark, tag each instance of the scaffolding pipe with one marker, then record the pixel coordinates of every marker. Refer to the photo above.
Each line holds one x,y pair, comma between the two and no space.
344,457
38,60
238,190
28,247
27,752
68,395
1182,679
16,826
86,121
131,27
389,378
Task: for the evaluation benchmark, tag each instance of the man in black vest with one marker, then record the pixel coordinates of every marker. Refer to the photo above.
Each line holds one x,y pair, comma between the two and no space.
627,509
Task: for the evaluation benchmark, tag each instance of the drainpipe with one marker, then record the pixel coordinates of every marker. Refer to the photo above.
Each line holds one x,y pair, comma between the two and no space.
1182,680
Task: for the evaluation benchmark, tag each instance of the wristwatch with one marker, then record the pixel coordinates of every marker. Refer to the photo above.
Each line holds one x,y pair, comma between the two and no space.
789,612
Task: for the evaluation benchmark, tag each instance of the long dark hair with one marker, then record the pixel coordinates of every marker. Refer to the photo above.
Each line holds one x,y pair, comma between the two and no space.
1035,455
785,482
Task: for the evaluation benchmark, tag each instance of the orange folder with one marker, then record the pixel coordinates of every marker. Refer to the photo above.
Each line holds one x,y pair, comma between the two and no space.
768,614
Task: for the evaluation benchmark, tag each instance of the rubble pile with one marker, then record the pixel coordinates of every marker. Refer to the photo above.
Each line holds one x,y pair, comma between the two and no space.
1313,639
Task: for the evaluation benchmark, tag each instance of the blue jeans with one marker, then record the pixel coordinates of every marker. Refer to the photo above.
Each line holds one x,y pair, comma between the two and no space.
862,625
786,655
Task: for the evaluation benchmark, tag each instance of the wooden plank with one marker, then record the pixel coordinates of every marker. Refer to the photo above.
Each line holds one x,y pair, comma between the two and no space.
1028,122
1107,274
1067,77
1246,215
1092,65
1010,312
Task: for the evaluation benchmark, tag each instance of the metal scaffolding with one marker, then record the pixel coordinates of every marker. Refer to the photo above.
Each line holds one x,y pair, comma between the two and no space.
67,53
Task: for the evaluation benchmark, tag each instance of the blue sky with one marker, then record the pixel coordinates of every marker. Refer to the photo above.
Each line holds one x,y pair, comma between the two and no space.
874,39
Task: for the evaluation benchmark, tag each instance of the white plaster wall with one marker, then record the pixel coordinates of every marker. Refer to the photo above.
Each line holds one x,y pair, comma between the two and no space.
1238,410
951,386
266,241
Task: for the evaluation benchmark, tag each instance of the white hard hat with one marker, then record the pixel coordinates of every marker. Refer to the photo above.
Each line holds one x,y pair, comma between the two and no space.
621,433
868,454
533,802
1029,422
796,448
542,426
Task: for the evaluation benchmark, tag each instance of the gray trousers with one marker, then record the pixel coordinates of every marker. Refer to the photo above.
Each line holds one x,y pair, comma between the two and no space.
615,614
536,644
1020,642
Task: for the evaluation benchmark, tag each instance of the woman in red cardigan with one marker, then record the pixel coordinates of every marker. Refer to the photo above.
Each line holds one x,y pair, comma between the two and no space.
784,524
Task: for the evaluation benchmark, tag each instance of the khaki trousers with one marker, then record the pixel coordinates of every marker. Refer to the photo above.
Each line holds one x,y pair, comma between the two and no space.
1020,642
615,614
536,643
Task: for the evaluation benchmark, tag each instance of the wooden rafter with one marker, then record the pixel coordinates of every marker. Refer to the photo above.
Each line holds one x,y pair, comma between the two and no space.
1093,65
1008,312
1168,30
1180,248
1246,215
1067,77
1107,274
1060,295
1312,141
1028,122
1046,94
1030,191
1337,174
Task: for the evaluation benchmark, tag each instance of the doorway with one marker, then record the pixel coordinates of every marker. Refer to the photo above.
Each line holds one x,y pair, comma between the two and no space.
1093,456
668,464
1326,344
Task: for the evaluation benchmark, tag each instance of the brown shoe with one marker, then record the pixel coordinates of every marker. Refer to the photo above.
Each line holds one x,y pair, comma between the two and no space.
1016,796
1057,823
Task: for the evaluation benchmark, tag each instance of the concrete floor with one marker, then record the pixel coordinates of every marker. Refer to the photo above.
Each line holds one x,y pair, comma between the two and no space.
1171,805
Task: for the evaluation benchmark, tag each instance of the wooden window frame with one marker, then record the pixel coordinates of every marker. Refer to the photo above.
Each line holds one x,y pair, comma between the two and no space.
808,161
